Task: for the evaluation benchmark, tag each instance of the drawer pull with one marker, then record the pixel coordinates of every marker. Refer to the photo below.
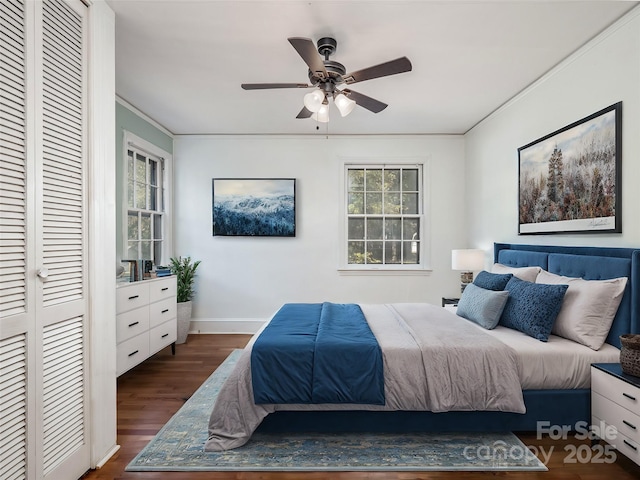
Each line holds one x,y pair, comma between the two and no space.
165,335
133,324
134,297
630,397
165,289
133,353
165,310
630,425
630,445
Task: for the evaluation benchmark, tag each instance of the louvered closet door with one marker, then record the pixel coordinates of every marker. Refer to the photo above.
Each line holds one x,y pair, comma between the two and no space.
43,278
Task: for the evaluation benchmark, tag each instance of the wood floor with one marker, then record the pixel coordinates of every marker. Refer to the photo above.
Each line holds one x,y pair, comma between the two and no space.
152,392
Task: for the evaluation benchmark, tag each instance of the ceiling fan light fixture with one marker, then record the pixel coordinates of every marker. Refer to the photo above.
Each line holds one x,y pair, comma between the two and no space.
313,100
322,115
344,104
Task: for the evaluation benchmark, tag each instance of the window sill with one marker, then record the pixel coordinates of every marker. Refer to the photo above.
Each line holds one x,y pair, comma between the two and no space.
384,271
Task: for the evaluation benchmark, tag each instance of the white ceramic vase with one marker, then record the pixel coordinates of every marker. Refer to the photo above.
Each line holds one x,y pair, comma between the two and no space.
184,320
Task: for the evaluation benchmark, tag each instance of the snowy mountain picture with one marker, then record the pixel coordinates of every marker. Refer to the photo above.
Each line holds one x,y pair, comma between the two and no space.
254,207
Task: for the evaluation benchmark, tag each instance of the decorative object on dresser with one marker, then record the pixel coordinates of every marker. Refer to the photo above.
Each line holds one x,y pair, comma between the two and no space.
146,320
185,271
630,354
467,261
615,408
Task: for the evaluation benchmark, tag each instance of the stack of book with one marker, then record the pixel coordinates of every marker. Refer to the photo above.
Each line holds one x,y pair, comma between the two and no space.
163,271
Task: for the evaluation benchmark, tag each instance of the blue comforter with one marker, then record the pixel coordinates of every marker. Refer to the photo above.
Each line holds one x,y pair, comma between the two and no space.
317,353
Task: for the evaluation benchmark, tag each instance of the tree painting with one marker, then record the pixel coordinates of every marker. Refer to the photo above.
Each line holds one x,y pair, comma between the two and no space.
254,207
569,180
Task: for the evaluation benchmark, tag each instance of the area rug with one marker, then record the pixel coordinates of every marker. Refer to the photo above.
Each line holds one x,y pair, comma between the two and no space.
178,446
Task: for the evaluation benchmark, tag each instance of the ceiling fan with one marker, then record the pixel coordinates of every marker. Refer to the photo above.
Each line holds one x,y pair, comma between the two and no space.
327,75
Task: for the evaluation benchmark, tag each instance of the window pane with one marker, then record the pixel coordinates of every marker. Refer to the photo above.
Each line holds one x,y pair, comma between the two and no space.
356,252
411,252
145,250
374,252
392,180
409,203
145,228
392,252
411,228
153,173
374,228
157,227
393,229
157,253
153,195
374,203
130,165
141,195
130,194
356,228
132,226
392,203
132,251
141,168
410,180
356,203
374,180
356,180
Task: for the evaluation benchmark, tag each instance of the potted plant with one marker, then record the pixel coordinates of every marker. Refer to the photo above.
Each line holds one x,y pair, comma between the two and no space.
185,271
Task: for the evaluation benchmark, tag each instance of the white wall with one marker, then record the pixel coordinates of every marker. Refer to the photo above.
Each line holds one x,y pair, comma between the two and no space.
250,278
605,71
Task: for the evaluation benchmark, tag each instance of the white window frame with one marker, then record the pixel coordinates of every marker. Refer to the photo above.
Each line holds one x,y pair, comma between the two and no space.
422,268
132,141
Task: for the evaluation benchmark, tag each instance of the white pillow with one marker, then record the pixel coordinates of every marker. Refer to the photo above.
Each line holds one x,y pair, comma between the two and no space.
588,309
528,274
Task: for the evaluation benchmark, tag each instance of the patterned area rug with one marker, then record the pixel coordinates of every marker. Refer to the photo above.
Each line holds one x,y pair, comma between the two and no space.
179,446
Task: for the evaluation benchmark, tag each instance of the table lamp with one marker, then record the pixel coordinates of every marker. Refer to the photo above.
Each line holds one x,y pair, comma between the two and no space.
467,261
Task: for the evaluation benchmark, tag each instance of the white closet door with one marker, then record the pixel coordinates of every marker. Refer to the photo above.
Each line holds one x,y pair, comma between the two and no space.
43,236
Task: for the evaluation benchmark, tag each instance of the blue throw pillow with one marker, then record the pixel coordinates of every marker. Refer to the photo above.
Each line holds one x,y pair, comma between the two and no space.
492,281
482,306
532,308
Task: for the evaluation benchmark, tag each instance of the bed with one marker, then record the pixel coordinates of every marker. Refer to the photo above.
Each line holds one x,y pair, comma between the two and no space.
565,402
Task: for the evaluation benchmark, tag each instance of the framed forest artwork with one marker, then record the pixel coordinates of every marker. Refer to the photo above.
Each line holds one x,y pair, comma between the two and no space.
570,180
255,207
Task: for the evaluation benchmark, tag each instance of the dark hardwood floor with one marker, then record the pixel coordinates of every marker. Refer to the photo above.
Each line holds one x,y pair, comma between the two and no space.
152,392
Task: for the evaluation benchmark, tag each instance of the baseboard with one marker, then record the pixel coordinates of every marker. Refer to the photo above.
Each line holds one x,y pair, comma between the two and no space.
226,325
106,458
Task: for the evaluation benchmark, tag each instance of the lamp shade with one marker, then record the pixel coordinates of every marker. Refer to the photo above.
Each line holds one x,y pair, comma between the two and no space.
313,100
468,260
344,104
322,115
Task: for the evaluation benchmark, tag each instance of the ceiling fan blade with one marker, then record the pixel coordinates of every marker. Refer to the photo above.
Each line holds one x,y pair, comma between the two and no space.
304,113
307,50
399,65
263,86
369,103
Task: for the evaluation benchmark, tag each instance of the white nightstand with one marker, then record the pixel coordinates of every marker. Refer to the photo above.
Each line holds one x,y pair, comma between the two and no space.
615,402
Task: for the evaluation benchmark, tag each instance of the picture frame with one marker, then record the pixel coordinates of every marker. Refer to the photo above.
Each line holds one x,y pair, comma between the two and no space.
570,181
254,207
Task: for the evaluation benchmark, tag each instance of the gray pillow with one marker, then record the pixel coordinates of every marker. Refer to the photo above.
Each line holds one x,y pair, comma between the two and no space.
482,306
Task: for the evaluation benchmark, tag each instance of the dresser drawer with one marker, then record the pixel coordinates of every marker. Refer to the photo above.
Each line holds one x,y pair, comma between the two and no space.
131,352
628,447
132,323
626,422
163,335
621,392
162,289
129,297
162,311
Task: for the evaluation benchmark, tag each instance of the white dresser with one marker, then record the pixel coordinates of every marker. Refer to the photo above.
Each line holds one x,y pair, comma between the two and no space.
615,408
146,320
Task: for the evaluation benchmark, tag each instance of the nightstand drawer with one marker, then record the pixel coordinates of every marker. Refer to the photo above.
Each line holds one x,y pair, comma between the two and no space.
626,422
131,352
163,335
627,447
132,323
622,393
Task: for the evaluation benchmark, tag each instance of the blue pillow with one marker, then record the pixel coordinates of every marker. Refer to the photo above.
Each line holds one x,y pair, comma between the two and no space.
482,306
492,281
532,308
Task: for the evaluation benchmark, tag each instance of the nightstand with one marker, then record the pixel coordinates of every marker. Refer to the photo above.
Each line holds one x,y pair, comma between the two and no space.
615,402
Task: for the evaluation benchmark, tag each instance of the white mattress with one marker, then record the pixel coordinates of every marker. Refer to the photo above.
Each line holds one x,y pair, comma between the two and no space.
558,363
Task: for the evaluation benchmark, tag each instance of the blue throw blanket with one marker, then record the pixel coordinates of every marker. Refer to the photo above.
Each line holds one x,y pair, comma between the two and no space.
317,353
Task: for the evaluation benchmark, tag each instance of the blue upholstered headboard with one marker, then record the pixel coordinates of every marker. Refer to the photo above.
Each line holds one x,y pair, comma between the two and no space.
590,263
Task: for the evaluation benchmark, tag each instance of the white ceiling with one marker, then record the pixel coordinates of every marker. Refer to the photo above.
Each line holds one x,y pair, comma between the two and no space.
181,62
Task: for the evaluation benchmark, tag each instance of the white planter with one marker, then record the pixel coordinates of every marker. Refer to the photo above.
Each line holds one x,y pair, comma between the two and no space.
184,321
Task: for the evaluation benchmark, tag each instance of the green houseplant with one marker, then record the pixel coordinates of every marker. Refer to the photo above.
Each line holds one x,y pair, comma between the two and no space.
185,271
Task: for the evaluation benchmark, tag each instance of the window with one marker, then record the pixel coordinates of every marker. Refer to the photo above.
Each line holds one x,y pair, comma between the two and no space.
146,201
384,216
